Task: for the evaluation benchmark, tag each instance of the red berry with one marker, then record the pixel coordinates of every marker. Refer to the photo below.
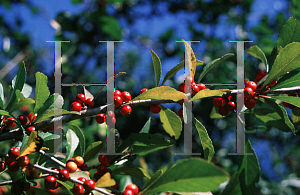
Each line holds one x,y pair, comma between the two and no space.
180,112
100,118
10,122
101,169
76,106
201,86
2,166
133,188
89,185
50,182
182,87
126,110
8,161
23,120
82,167
83,179
80,98
190,78
126,96
155,108
111,121
223,111
88,173
31,117
195,89
27,170
25,186
13,166
79,161
230,106
29,130
272,83
78,189
251,84
23,161
260,74
117,92
286,104
88,102
14,152
127,192
218,102
110,113
71,167
250,103
16,189
143,90
116,186
118,101
248,93
88,193
104,159
63,175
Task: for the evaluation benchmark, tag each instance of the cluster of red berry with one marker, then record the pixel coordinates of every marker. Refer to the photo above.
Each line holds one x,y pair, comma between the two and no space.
10,122
14,165
81,100
195,88
228,104
131,189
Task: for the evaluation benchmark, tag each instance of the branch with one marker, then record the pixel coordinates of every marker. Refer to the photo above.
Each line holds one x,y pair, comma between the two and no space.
18,133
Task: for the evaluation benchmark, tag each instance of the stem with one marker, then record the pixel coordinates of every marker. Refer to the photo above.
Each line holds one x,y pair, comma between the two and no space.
52,159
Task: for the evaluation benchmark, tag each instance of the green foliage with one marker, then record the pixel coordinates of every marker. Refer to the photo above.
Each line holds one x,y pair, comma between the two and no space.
171,122
92,150
157,66
289,33
188,175
212,64
256,52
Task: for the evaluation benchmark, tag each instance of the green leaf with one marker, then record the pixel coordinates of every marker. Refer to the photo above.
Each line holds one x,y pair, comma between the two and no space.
72,143
157,66
81,137
256,52
132,171
289,99
53,145
170,122
291,79
207,93
287,60
153,179
144,143
215,113
48,136
178,67
206,142
248,170
272,57
161,93
1,96
27,89
296,116
276,116
5,113
77,1
233,187
41,91
20,101
290,32
48,104
146,127
92,151
69,188
20,80
191,61
87,93
24,142
187,176
212,64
